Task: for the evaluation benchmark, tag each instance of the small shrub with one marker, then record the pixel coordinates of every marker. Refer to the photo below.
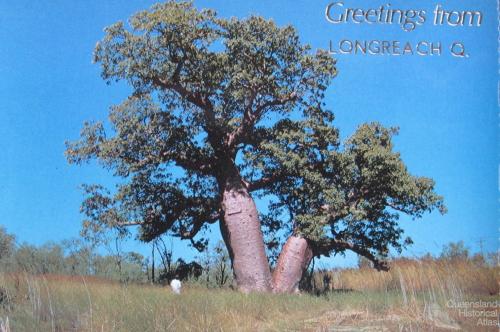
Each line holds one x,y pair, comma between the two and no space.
5,299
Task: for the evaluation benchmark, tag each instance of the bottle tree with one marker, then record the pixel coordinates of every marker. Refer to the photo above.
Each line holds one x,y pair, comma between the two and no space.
223,111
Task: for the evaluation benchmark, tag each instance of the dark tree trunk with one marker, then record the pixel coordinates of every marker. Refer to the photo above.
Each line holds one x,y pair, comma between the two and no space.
153,264
293,261
242,234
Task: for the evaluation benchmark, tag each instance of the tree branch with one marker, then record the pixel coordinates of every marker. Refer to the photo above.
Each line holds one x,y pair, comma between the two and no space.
333,244
276,102
195,164
210,219
196,99
198,223
262,182
135,223
251,117
248,121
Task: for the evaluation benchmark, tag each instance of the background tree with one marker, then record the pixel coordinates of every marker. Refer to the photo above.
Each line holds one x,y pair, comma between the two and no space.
7,249
335,197
223,110
455,251
79,256
48,258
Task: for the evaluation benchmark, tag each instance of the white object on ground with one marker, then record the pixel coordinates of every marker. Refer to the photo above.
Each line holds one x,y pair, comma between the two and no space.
4,325
176,286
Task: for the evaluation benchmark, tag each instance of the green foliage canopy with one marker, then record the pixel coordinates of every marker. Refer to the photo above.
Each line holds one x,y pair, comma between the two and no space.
344,196
215,97
204,89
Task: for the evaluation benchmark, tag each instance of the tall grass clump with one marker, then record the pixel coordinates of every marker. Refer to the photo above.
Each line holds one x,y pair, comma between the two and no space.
448,277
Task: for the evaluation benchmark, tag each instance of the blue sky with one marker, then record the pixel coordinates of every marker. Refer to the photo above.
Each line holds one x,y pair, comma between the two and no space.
446,108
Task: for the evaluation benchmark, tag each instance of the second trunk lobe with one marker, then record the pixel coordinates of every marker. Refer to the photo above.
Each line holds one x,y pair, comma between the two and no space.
292,263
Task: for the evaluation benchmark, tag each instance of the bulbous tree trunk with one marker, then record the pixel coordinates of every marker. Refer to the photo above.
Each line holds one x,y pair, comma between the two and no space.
241,231
293,261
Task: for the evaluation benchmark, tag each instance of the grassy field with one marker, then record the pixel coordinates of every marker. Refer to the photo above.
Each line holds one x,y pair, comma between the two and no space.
413,296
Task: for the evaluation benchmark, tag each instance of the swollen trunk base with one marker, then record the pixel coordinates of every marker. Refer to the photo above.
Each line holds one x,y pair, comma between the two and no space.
245,242
292,263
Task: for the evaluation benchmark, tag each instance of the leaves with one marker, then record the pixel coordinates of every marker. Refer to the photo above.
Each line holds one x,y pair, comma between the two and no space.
212,95
204,89
344,197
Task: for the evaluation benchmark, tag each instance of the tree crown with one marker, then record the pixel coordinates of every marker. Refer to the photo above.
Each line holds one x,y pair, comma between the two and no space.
216,97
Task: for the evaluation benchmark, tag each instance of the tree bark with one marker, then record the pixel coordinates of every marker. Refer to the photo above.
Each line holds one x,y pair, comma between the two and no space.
293,261
240,228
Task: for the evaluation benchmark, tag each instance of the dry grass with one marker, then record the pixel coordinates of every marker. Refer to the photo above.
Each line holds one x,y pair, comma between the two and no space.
413,296
444,277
